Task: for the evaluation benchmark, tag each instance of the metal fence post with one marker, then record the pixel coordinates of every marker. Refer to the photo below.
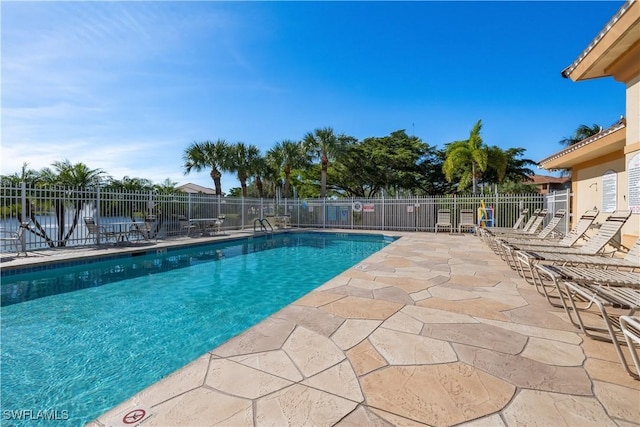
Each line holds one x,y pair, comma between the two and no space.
383,212
495,208
97,217
242,218
25,218
324,210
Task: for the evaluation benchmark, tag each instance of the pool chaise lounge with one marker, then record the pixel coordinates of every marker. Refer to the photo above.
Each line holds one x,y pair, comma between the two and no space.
590,288
530,228
523,257
611,303
544,237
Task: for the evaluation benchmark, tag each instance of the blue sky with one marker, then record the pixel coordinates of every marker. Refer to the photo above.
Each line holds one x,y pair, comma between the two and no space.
127,86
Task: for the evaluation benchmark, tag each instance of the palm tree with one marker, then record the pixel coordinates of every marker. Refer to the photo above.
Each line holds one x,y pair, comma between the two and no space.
466,159
243,160
507,165
287,155
261,170
497,161
78,175
131,184
167,186
323,144
207,154
71,176
26,175
581,133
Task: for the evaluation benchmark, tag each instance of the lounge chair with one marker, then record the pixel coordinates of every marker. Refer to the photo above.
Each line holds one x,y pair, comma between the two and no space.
506,247
542,239
444,219
14,238
580,275
524,258
630,326
145,230
612,302
516,225
630,262
186,226
546,231
496,243
466,220
99,231
528,228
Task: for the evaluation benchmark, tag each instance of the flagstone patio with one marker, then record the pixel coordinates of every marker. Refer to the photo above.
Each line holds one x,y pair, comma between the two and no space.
432,330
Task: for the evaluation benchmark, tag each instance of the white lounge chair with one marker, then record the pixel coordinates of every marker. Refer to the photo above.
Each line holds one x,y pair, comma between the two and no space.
630,326
99,231
444,219
580,299
466,220
14,238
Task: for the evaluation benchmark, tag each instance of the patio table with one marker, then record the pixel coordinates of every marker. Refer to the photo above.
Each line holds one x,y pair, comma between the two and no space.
122,229
207,225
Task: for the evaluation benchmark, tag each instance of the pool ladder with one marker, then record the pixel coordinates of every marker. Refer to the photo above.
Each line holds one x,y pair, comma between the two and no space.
263,227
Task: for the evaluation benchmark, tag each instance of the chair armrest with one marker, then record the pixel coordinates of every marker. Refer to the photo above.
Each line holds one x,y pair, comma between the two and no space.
9,235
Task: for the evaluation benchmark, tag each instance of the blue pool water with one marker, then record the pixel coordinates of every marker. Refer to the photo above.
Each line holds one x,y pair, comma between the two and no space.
79,340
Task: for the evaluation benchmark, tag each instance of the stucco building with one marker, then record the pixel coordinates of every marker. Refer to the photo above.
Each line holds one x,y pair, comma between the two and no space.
605,168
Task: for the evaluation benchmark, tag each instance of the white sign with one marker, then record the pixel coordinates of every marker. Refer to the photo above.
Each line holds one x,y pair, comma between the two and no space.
633,181
609,191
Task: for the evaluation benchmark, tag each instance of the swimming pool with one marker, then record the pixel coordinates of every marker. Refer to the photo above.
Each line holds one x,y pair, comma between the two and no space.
79,340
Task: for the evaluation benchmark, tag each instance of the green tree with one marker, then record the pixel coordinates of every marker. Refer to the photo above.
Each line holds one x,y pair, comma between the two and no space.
520,187
207,154
26,175
130,184
433,180
325,145
507,165
167,186
394,163
581,133
285,156
73,177
497,163
244,160
466,160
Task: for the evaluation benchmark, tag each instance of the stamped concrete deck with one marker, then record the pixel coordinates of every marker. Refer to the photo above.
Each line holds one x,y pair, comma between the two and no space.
433,330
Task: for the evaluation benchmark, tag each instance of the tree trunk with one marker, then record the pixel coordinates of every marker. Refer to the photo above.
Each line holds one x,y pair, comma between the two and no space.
323,177
473,178
259,186
287,172
216,175
59,207
242,177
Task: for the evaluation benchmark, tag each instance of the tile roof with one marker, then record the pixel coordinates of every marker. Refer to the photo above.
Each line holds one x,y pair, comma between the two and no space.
623,9
622,123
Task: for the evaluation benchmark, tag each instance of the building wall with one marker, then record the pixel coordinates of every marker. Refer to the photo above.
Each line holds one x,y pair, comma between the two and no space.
632,147
588,184
633,113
